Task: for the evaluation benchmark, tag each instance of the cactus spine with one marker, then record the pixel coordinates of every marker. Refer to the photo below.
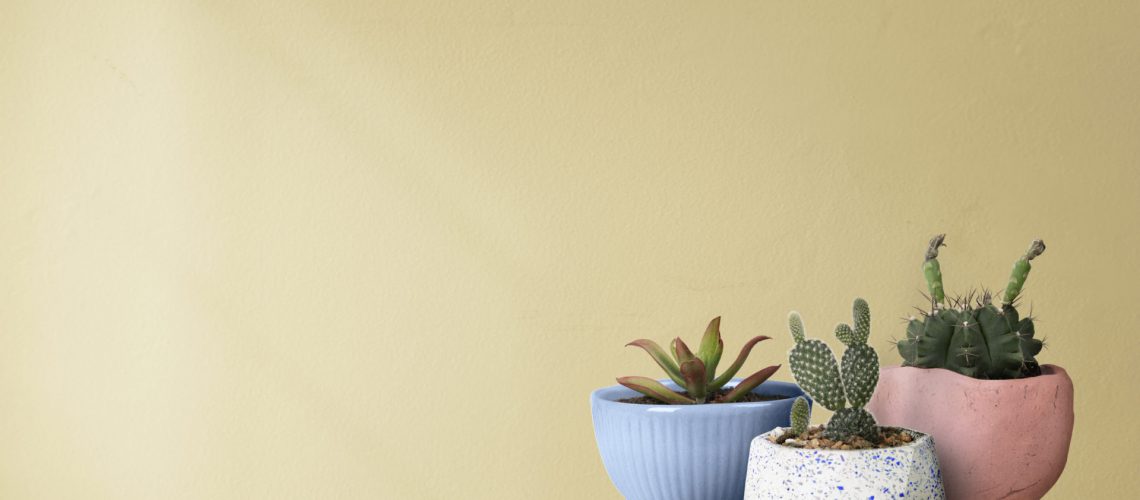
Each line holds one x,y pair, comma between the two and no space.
836,385
970,335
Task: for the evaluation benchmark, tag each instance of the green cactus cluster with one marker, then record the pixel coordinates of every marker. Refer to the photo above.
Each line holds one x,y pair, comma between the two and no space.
969,334
842,387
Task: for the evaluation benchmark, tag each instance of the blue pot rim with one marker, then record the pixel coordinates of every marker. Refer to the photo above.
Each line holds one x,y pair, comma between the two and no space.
609,396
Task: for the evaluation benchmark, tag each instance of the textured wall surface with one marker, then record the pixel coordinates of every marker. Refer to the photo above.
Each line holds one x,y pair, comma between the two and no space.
386,249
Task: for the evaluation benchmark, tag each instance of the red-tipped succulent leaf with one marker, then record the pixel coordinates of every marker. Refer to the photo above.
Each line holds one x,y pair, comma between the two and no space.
711,348
681,351
655,390
693,371
745,386
736,365
661,357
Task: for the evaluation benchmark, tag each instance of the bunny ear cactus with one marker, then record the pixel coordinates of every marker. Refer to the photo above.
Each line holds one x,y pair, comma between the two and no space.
836,385
970,335
696,372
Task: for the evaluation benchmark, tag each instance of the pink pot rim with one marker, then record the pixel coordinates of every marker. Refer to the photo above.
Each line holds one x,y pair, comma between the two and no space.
1048,371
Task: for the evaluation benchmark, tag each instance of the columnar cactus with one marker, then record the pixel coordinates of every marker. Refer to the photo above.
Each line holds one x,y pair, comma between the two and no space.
969,334
835,385
697,372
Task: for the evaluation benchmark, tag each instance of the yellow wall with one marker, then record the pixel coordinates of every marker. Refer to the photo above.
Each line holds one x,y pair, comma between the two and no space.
386,251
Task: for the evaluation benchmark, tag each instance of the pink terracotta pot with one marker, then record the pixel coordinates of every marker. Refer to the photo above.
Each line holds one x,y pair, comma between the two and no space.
1005,439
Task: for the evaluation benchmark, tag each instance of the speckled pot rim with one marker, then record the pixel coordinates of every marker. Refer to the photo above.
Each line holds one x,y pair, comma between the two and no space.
920,439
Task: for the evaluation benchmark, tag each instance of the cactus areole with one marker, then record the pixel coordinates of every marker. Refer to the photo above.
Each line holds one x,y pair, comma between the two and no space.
969,334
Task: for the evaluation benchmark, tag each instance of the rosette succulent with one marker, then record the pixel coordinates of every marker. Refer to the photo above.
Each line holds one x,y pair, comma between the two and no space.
696,372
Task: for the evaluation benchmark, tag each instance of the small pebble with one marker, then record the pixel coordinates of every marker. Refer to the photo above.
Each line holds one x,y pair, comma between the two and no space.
889,437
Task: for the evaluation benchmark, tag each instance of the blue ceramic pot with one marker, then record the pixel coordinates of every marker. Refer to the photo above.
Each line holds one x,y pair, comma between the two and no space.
683,452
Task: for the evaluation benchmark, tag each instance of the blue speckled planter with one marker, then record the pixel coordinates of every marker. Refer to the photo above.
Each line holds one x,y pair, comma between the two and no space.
683,452
777,471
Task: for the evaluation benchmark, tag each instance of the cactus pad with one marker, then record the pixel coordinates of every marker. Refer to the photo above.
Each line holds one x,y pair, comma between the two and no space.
801,415
860,370
816,371
845,334
796,326
861,313
851,422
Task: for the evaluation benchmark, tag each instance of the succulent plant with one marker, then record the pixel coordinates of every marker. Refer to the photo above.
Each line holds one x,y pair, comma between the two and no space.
696,373
837,385
969,334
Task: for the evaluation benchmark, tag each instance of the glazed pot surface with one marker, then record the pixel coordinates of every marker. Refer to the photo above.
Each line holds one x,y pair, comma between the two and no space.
996,438
683,452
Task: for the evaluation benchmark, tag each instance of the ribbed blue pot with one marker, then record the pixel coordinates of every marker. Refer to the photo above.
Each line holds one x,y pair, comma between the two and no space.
683,452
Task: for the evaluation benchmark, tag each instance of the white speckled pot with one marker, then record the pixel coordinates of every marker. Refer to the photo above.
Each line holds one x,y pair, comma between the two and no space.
777,471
